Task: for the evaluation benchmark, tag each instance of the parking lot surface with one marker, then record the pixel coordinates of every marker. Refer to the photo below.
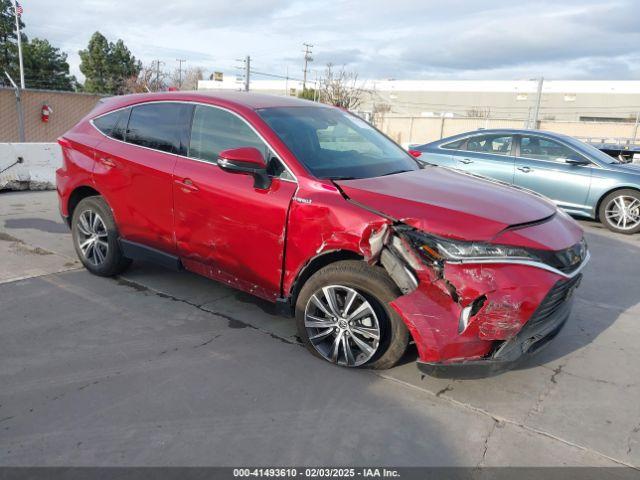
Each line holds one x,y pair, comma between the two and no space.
166,368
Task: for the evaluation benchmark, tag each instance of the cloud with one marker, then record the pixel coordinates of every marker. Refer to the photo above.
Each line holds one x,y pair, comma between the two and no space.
377,38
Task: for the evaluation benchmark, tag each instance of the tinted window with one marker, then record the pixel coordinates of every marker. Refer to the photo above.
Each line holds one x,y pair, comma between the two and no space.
494,144
334,144
156,125
113,124
544,149
457,145
214,130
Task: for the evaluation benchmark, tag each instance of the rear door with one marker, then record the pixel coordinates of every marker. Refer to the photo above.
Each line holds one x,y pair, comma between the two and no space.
134,168
225,228
541,167
487,155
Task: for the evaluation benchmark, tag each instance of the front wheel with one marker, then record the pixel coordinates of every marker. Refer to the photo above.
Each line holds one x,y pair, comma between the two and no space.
343,316
620,211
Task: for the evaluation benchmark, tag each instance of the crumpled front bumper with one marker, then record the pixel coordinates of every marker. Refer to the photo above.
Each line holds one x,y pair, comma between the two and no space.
521,309
535,335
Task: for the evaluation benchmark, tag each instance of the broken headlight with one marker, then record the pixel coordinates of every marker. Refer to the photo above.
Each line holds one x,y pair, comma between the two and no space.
432,248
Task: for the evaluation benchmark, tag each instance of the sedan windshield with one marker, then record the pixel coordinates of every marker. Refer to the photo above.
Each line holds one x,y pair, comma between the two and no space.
336,145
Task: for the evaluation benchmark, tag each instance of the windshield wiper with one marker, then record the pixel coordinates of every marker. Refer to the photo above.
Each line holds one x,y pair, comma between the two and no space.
397,171
345,177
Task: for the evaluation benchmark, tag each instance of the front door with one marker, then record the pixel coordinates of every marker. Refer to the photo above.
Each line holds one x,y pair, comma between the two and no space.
225,228
541,167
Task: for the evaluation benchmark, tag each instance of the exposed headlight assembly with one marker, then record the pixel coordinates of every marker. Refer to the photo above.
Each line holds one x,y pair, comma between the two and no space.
436,249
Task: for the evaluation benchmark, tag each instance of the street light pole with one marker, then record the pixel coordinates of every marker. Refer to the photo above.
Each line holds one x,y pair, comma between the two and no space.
536,112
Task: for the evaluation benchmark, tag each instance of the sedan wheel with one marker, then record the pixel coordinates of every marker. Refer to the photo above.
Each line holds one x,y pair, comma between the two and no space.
342,325
622,212
92,237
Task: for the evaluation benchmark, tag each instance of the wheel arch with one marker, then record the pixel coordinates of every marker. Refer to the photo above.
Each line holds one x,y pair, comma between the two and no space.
79,193
316,263
610,191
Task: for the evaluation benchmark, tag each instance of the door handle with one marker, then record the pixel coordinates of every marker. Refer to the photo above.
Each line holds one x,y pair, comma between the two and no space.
524,169
466,161
187,185
107,162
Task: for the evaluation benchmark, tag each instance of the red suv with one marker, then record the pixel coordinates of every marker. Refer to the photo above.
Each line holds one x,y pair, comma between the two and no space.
312,208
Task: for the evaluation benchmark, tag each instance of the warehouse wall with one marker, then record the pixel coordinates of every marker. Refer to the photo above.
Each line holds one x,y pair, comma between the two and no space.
408,130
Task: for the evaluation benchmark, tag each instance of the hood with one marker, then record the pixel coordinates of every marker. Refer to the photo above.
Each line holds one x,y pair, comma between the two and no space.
447,203
625,167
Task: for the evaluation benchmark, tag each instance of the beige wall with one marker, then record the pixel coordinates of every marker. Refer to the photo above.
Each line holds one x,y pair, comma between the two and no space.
68,109
405,130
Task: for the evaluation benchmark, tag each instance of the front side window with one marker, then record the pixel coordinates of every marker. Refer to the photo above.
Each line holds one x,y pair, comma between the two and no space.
214,130
493,144
544,149
156,125
333,144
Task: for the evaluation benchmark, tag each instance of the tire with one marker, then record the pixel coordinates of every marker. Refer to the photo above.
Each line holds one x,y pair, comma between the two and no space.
92,219
610,207
374,290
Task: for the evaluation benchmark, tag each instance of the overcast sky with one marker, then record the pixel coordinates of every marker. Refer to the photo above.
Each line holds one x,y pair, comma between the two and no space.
402,39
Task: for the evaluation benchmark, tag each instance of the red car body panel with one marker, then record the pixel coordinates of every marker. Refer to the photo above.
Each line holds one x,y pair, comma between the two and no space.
221,226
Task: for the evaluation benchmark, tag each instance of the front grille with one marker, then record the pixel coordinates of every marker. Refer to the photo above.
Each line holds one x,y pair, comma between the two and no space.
554,300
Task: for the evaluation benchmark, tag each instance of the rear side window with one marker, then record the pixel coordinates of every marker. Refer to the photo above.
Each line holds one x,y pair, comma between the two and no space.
113,124
157,125
457,145
214,130
494,144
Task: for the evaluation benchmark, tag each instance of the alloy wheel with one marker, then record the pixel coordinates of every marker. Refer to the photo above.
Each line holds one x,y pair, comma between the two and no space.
92,237
623,212
342,325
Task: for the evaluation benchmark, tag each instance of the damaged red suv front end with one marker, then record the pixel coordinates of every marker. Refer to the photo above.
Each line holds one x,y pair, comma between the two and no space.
487,271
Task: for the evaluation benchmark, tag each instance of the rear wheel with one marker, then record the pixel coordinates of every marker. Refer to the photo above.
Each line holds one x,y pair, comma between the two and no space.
95,238
620,211
343,316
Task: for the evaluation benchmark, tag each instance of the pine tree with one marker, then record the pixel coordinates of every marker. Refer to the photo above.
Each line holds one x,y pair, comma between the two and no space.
46,66
107,66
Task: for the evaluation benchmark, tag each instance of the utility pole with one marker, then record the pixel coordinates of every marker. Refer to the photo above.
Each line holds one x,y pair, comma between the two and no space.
536,111
158,62
247,73
180,62
635,128
307,58
18,108
15,11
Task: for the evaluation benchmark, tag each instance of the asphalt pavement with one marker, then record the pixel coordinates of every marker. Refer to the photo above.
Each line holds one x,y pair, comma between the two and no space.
160,368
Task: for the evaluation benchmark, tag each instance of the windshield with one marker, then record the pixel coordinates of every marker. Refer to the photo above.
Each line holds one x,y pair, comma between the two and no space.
336,145
593,152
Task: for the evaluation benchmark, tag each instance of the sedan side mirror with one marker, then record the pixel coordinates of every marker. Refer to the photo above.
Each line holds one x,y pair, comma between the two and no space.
575,161
246,161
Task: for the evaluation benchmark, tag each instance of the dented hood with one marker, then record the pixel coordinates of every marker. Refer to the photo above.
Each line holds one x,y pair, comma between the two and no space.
447,203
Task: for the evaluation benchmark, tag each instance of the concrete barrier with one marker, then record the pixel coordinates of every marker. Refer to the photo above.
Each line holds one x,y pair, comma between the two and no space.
29,166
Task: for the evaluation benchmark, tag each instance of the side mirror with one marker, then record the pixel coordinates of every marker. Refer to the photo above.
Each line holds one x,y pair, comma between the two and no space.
246,161
575,161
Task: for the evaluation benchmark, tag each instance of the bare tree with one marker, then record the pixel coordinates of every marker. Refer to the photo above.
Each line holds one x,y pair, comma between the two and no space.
148,80
340,88
378,113
190,78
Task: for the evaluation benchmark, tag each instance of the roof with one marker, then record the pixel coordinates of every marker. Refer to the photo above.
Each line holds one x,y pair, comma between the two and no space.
249,100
